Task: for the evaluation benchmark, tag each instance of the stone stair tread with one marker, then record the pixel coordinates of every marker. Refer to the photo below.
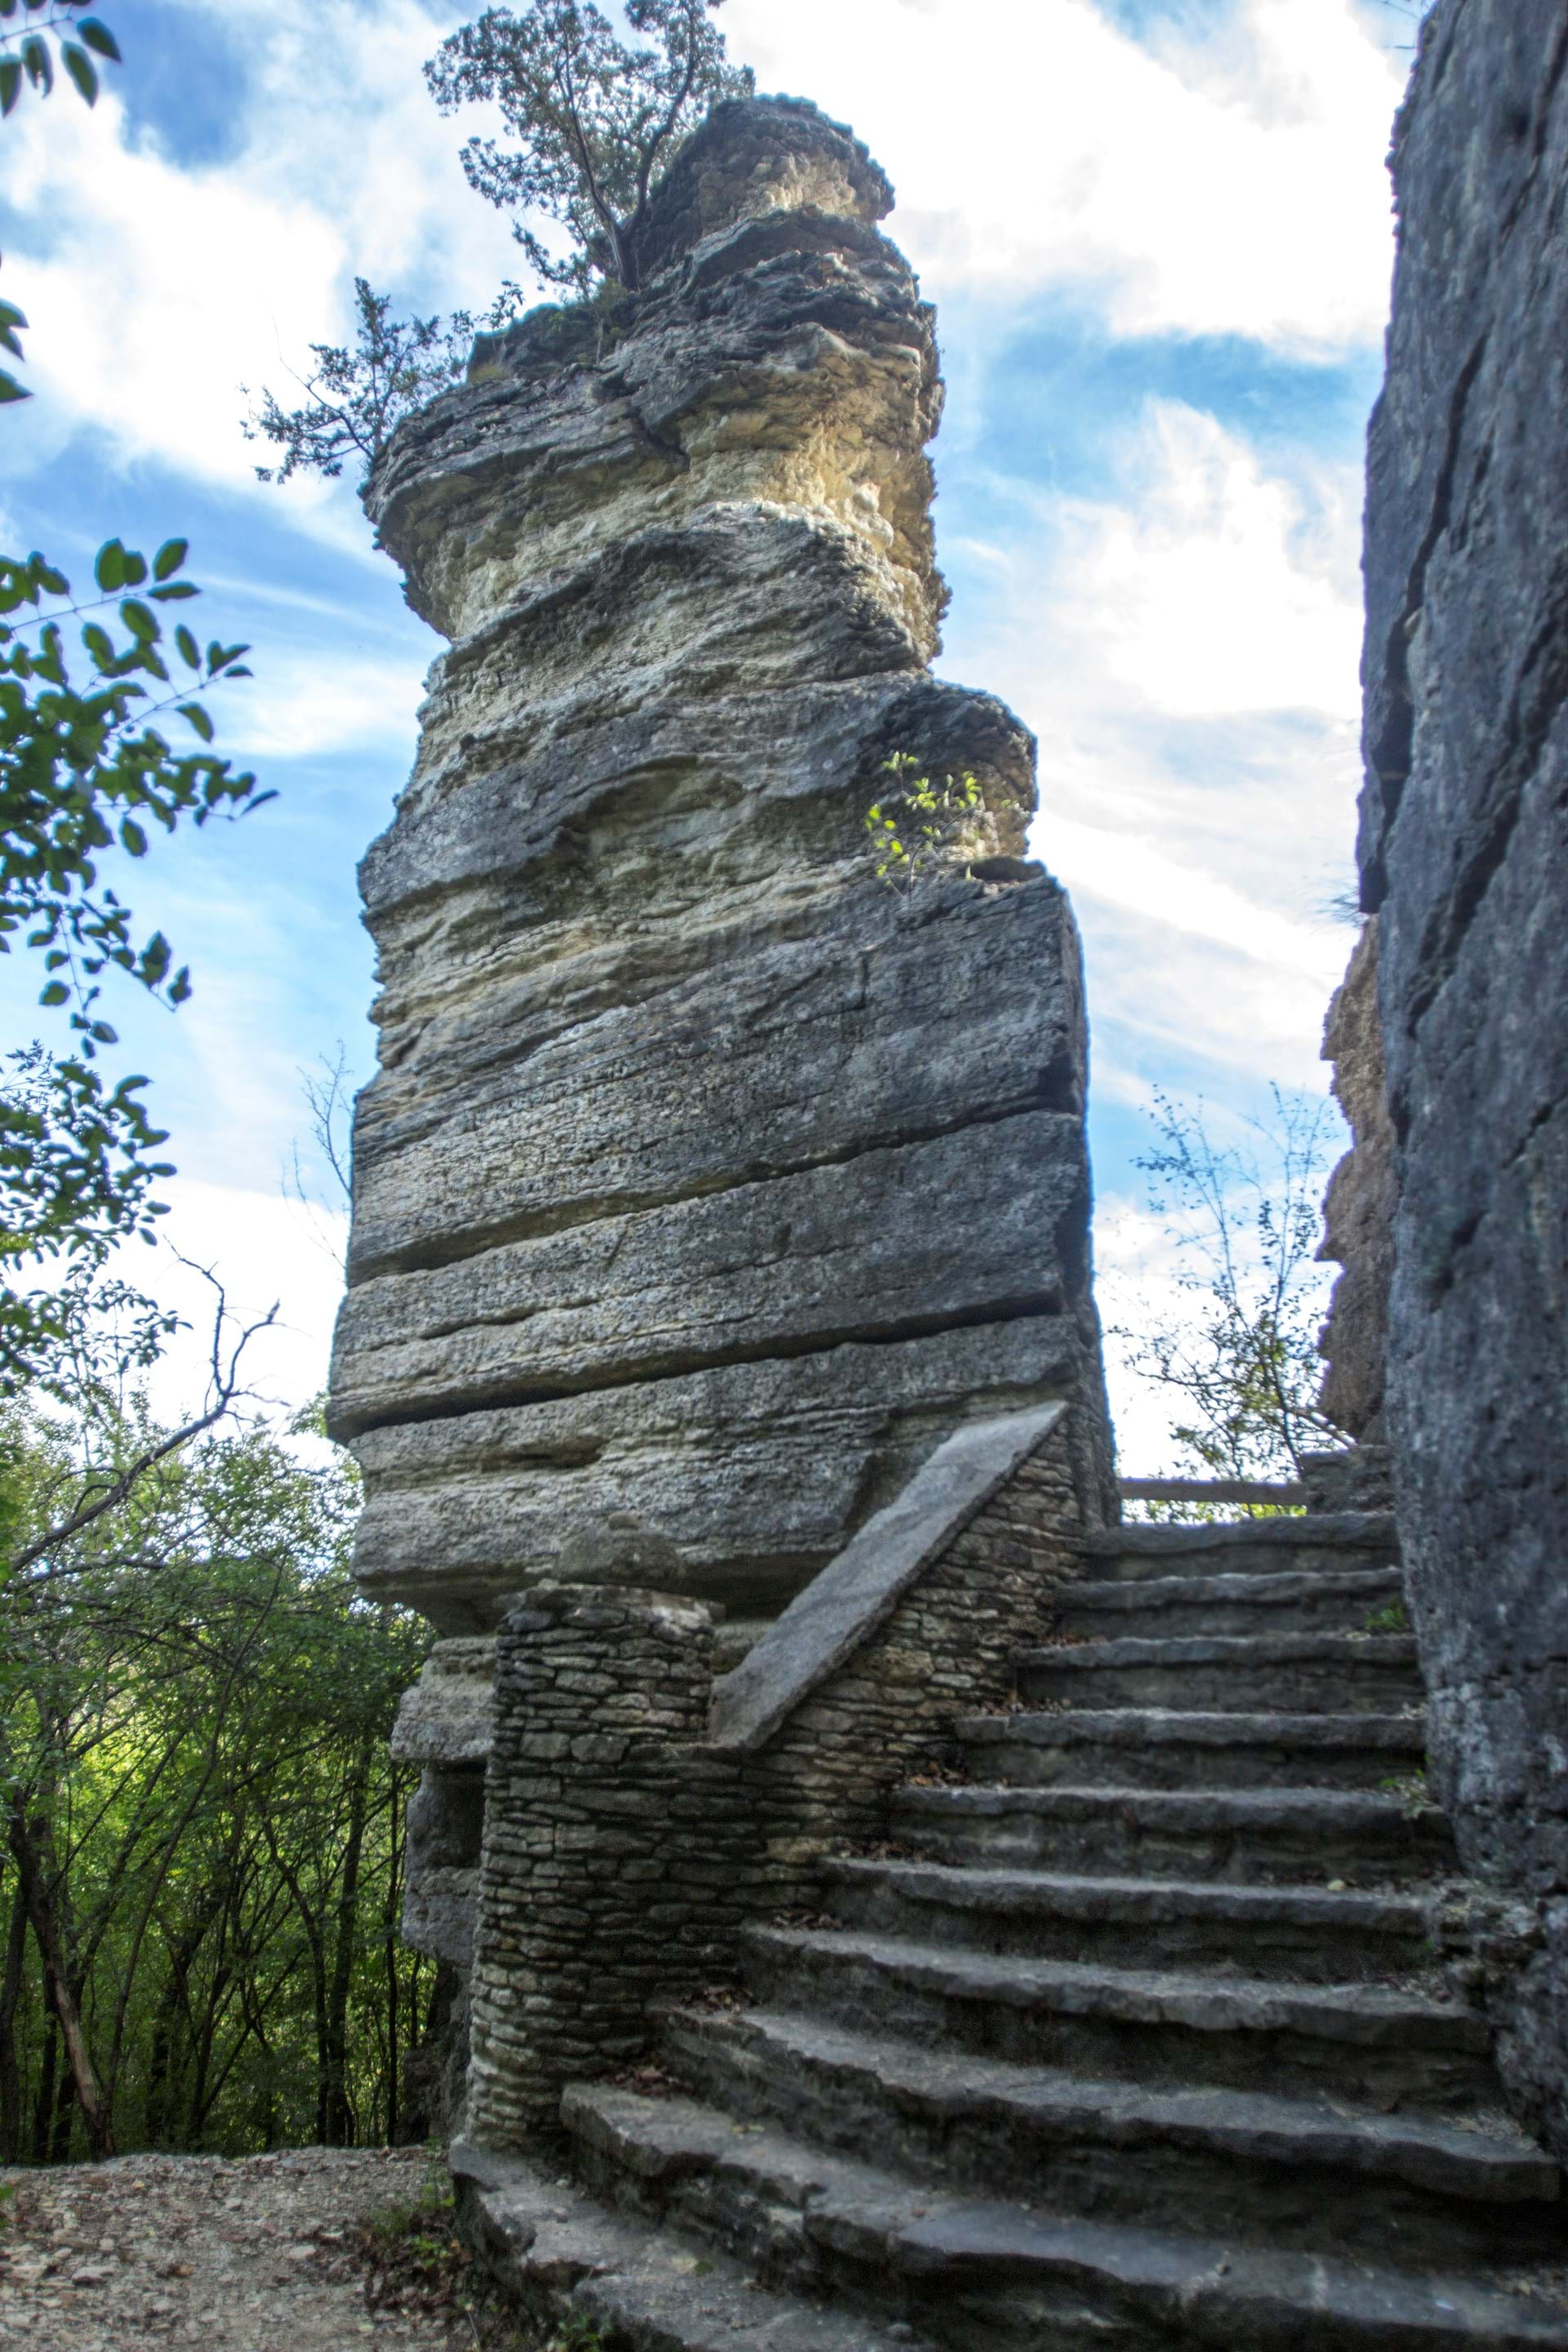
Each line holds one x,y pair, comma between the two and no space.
1498,2163
1352,2012
657,2291
930,2239
1343,1809
1323,1531
1239,1650
1261,1590
978,1886
1137,1725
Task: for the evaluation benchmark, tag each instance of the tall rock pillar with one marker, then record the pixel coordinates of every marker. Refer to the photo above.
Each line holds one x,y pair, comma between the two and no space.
707,1181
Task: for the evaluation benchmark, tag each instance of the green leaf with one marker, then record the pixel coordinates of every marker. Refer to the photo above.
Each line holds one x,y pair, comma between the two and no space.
131,834
39,64
179,986
56,993
7,7
190,652
99,37
170,556
139,619
135,568
109,570
82,69
11,390
176,588
198,719
10,83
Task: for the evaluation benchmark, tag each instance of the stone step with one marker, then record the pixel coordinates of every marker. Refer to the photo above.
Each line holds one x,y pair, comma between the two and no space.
1254,1835
1158,1606
1261,2168
983,2276
1325,1543
1155,1747
1376,2046
1300,1673
1301,1932
610,2277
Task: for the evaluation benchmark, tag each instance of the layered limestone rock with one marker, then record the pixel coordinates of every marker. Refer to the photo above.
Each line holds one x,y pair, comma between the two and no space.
707,1181
1359,1204
1465,857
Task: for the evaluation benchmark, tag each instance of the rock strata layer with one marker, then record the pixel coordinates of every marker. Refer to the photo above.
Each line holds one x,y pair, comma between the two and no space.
1465,857
707,1182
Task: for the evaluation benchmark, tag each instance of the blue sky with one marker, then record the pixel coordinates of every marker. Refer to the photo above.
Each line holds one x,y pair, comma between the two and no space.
1157,235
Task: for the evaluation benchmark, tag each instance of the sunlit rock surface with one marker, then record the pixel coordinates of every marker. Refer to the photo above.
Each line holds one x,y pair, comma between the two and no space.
707,1181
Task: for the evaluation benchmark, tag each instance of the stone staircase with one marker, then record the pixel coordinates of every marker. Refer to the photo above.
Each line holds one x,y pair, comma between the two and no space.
1131,2037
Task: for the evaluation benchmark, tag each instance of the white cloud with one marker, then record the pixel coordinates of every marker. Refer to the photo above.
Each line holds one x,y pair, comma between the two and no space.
1215,588
1186,651
1222,186
267,1252
154,290
310,708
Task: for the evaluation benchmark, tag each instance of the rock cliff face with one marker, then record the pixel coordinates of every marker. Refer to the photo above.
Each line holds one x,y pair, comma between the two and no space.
707,1181
1464,855
1359,1207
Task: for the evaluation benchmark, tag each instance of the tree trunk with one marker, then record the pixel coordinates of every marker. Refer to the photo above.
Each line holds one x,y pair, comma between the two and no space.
30,1844
10,1998
338,2129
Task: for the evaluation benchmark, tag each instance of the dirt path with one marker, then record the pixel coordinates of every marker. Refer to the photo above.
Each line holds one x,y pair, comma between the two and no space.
263,2255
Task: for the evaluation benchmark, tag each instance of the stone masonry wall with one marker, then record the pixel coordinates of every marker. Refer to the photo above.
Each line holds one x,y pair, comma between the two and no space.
1464,854
623,1851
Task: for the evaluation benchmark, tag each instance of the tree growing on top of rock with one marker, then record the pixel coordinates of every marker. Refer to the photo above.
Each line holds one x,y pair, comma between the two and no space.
596,120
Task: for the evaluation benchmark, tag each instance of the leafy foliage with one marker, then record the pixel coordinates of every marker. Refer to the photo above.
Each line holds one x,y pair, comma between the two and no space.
76,1180
194,1715
596,120
11,321
356,395
1246,1221
32,32
82,769
920,829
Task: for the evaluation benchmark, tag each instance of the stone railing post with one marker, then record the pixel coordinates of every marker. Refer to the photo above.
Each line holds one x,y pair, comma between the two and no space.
585,1910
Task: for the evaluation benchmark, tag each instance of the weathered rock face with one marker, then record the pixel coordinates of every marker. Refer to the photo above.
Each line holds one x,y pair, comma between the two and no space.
707,1181
1359,1206
1464,855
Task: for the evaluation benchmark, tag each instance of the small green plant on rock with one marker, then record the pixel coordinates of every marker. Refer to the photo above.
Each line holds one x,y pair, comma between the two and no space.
577,2335
918,829
1394,1619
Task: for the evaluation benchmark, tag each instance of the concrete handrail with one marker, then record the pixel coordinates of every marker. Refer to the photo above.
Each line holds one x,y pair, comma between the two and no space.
1213,1490
857,1590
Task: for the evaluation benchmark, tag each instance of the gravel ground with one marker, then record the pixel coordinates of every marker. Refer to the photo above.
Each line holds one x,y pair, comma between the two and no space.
270,2254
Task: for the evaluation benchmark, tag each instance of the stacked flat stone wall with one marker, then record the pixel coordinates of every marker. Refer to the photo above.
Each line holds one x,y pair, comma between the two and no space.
625,1849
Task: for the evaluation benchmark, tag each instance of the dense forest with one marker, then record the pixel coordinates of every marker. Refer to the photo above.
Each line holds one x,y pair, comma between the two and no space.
204,1854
